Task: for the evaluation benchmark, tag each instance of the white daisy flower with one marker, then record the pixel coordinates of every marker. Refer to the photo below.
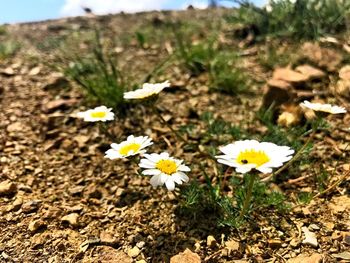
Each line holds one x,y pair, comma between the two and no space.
165,170
251,154
101,113
132,146
328,108
146,91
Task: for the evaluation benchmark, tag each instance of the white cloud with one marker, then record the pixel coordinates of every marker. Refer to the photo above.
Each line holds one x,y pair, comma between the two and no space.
99,7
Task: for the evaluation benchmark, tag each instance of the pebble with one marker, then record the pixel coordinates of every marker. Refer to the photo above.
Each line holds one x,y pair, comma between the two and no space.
211,241
134,252
16,205
107,238
232,245
314,227
346,238
35,225
314,258
310,237
294,243
30,206
141,244
7,187
186,257
336,235
274,243
344,255
197,247
71,219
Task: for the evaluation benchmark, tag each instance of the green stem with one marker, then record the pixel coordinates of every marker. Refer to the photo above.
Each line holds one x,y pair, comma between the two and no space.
176,133
104,129
248,197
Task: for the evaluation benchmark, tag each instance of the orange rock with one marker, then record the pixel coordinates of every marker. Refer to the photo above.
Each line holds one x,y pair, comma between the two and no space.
187,256
344,72
291,115
310,72
324,57
314,258
277,92
289,75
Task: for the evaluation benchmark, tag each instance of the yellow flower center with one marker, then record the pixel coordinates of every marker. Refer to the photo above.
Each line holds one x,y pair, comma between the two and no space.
98,114
133,147
167,166
253,157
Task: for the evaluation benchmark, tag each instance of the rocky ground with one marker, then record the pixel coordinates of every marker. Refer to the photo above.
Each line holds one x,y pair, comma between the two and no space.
61,201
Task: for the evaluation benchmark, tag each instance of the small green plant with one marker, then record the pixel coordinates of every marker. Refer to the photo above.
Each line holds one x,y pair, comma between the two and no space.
205,56
304,197
3,30
193,56
216,128
303,19
272,57
8,49
225,75
97,73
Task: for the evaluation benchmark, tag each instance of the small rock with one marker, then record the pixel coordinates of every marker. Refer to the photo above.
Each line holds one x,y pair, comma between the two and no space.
232,246
56,81
211,241
294,242
134,252
278,83
141,244
276,95
35,225
81,140
336,235
310,72
38,240
141,261
4,255
59,104
71,219
342,87
7,187
289,75
52,212
339,204
344,255
346,238
107,254
34,71
120,191
291,115
314,227
31,206
7,71
274,243
16,205
76,190
314,258
324,57
187,256
344,72
197,247
16,127
310,237
107,238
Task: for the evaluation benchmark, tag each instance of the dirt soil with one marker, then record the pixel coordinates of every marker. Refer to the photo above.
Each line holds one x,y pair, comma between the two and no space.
61,201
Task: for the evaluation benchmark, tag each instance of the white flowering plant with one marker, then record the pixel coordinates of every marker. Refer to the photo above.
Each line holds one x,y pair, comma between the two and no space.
243,164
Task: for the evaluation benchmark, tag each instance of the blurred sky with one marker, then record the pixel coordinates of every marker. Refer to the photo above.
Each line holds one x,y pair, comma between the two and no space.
13,11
